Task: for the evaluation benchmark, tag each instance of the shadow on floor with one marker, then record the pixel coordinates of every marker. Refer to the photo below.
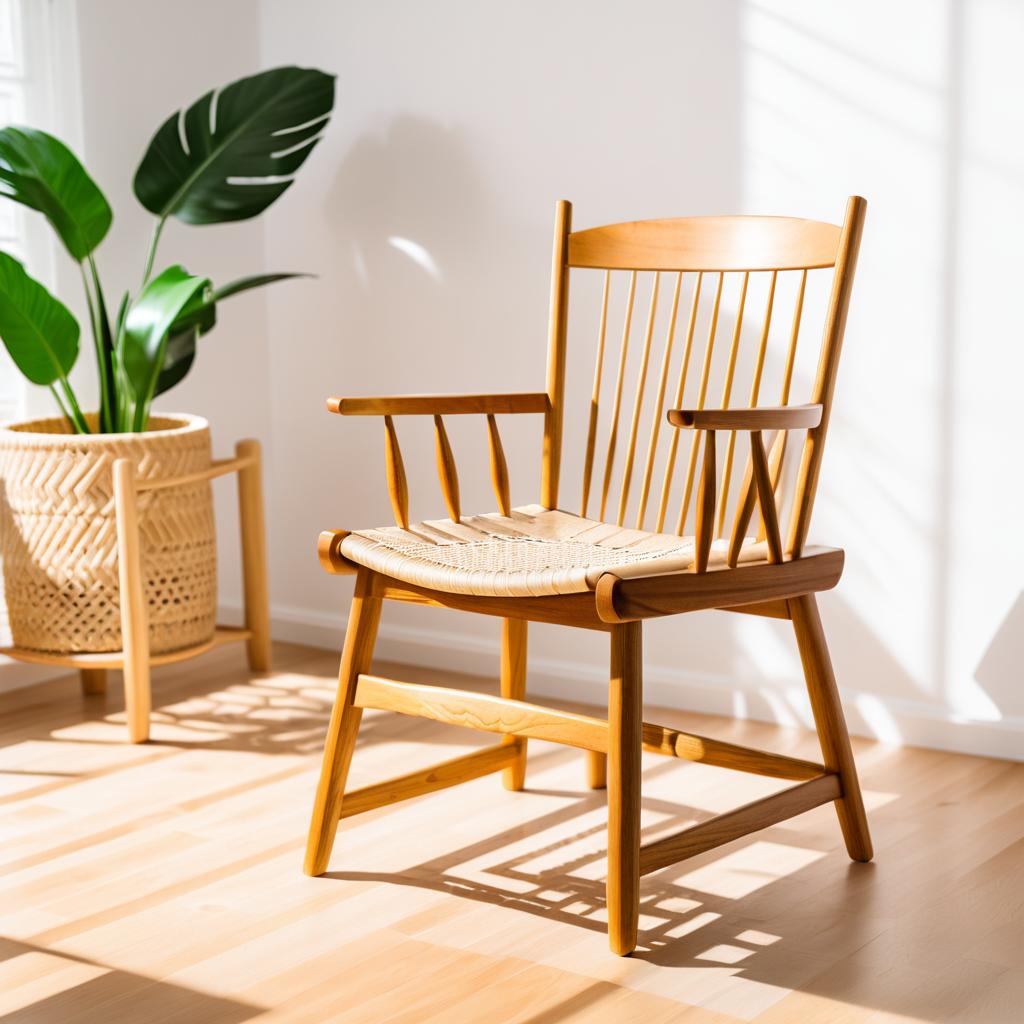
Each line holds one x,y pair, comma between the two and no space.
84,991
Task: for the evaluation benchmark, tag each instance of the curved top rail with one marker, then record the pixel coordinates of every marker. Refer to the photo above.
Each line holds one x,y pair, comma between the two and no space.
707,244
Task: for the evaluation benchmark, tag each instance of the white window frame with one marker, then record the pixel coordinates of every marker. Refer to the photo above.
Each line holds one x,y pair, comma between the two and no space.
40,76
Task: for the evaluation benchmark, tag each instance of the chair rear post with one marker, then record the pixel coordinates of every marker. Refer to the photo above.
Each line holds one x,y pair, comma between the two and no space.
557,325
828,366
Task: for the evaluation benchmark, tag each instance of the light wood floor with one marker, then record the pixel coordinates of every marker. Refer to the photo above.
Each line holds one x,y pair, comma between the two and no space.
162,883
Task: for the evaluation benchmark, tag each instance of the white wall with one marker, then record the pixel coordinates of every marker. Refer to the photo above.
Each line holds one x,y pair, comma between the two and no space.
458,126
427,211
138,66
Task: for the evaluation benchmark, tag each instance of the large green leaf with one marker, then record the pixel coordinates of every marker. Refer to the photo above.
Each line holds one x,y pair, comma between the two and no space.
143,340
203,313
243,284
196,319
39,332
41,172
178,359
234,151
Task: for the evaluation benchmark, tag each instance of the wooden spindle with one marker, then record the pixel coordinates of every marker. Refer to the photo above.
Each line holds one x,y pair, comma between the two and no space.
499,467
794,334
766,496
776,457
778,450
730,371
762,345
398,490
446,470
755,391
744,510
670,461
702,393
659,405
595,397
705,505
613,432
641,384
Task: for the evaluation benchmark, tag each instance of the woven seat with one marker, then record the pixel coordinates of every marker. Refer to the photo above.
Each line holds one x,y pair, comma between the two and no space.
532,552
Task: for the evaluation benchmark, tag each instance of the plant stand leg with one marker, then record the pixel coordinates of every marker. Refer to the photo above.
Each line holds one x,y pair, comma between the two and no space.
254,556
93,681
360,638
134,617
625,724
513,685
831,724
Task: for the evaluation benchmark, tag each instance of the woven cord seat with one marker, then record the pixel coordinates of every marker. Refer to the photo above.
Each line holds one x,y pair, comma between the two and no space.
532,552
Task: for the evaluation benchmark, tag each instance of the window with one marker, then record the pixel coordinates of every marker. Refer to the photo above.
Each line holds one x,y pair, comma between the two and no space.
31,33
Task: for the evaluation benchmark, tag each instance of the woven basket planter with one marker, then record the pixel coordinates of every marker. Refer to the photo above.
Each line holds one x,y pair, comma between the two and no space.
58,535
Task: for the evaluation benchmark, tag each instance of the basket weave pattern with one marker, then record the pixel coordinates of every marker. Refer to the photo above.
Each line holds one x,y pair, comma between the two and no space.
58,535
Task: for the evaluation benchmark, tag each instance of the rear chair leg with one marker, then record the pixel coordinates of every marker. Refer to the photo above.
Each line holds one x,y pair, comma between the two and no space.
831,724
513,686
341,733
597,770
625,722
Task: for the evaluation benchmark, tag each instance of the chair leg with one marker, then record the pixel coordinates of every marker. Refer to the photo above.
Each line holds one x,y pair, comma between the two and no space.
625,721
341,733
831,724
597,770
513,686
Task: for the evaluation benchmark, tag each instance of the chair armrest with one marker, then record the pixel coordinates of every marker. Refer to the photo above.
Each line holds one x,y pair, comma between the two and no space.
781,417
439,405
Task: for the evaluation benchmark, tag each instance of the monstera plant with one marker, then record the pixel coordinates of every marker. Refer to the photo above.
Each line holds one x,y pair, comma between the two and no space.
227,157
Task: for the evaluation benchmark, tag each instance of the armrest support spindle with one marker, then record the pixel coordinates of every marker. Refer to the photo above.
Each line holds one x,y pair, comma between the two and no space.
446,470
398,489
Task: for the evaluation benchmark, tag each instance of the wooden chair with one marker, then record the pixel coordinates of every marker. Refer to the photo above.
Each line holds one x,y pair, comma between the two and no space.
543,564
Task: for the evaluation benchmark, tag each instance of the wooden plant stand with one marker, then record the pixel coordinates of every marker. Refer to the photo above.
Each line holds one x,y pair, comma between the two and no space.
135,659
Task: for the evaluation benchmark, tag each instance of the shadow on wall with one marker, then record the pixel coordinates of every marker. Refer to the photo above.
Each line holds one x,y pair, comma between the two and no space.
410,211
999,672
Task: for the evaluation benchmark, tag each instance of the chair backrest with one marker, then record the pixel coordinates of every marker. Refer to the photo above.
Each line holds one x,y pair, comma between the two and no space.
632,471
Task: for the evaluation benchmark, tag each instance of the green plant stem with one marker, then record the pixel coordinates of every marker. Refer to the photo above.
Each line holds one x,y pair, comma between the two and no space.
62,407
75,410
114,394
151,256
102,362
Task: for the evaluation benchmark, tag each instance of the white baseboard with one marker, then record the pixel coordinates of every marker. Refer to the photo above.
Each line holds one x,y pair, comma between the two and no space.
891,720
896,721
14,675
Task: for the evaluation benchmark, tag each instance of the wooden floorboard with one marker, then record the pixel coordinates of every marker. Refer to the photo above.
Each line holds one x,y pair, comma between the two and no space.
163,882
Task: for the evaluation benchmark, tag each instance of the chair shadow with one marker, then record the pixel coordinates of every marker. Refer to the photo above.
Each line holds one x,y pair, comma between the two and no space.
679,924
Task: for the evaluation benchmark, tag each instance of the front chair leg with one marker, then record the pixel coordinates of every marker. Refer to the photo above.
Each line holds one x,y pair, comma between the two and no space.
513,686
831,724
360,637
625,724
